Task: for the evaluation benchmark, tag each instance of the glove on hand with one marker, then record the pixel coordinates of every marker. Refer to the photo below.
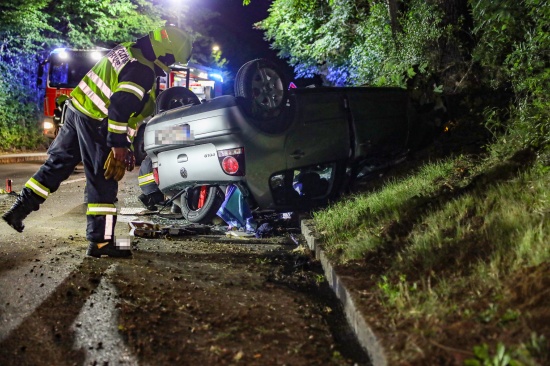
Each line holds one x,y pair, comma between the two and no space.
113,168
130,161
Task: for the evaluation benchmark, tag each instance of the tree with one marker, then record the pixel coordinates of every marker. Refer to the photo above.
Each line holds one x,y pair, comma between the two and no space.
29,29
354,42
22,28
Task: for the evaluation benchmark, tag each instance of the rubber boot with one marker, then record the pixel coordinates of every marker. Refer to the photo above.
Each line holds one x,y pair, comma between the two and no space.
107,249
17,213
151,200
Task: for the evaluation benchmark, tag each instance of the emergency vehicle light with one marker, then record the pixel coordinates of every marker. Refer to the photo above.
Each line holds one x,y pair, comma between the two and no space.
216,76
61,53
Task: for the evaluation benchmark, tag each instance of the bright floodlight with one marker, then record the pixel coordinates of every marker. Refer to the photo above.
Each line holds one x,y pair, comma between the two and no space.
63,55
215,48
96,55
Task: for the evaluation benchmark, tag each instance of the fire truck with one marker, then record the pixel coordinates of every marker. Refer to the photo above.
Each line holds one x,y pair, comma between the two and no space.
204,81
58,75
61,72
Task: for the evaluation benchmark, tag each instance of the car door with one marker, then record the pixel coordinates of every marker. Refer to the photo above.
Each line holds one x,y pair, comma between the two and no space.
320,133
379,120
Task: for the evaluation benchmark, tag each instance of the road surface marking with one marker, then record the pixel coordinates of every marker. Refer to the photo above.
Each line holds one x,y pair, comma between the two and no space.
96,328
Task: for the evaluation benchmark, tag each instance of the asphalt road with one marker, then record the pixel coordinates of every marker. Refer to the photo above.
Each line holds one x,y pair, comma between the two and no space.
221,302
34,262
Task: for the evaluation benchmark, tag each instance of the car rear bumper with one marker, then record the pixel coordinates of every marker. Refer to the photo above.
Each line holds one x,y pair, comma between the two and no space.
190,166
188,126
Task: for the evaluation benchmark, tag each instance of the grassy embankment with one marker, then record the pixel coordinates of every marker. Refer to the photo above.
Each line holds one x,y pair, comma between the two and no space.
459,247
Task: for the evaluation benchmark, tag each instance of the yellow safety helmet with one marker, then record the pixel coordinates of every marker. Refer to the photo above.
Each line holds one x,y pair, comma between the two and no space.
61,99
171,40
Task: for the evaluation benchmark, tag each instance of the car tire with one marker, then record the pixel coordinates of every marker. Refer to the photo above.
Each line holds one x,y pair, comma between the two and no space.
204,214
175,97
139,147
262,88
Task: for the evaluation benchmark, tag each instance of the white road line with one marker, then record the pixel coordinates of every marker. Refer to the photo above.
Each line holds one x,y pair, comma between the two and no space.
96,328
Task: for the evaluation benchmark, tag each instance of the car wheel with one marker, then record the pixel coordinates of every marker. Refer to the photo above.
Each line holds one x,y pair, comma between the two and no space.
200,204
175,97
139,147
263,88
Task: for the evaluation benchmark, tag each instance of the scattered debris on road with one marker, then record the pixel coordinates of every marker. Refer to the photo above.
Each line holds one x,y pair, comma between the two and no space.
151,230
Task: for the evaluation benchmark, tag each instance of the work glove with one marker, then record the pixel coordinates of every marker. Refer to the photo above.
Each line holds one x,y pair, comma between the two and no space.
113,168
130,161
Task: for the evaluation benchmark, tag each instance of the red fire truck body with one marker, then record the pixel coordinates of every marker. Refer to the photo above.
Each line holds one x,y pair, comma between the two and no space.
59,75
61,72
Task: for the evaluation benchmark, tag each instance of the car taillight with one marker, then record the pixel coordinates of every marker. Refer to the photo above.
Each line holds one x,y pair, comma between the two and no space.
232,161
230,165
156,175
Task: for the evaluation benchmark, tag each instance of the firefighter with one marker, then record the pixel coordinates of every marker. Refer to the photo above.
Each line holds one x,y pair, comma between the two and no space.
100,123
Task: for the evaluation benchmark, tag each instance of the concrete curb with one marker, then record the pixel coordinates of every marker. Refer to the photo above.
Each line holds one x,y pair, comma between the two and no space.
364,333
20,158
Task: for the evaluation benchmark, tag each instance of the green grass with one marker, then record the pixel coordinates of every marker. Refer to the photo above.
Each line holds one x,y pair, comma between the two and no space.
503,224
446,245
474,243
356,217
498,213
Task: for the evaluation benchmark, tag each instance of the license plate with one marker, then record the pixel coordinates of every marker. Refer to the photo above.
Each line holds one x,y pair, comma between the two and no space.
175,135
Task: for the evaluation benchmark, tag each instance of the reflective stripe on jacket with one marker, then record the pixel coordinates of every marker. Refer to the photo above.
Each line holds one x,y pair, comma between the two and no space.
93,93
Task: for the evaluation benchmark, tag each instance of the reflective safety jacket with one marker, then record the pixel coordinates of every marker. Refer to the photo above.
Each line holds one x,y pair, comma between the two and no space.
123,75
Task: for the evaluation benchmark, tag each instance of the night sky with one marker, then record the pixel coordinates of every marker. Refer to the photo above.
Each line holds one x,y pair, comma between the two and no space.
233,31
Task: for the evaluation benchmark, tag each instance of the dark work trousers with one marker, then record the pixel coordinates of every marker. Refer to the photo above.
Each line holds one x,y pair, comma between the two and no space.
80,139
146,179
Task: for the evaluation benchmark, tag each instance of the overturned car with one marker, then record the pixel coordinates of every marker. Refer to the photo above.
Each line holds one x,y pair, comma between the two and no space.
286,150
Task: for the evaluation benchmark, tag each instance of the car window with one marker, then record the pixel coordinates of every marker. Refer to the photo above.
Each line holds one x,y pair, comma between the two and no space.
304,185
